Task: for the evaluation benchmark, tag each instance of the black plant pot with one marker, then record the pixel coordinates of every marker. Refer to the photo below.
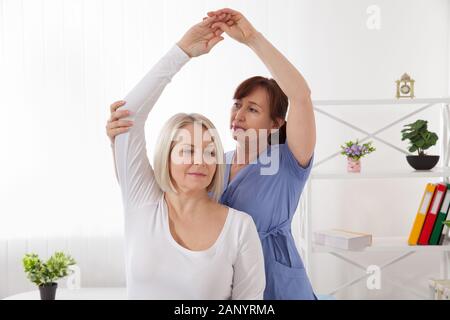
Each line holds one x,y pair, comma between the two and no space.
48,291
424,162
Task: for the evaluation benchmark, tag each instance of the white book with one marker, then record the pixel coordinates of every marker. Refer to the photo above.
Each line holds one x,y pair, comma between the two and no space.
342,239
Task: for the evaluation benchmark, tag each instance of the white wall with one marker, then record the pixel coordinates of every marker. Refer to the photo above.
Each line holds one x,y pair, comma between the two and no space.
64,62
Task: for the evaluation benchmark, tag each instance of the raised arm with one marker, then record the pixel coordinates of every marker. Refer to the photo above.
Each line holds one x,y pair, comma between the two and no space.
301,127
133,169
198,40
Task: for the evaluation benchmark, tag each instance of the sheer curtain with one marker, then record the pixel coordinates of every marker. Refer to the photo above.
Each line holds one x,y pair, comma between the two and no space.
62,63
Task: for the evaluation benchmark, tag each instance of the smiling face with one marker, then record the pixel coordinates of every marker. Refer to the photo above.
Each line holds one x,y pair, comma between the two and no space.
193,159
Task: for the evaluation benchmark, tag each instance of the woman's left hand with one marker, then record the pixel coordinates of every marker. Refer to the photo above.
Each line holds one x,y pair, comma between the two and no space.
240,29
202,37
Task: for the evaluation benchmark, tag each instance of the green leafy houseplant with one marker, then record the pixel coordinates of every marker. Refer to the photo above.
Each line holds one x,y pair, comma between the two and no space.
420,140
45,274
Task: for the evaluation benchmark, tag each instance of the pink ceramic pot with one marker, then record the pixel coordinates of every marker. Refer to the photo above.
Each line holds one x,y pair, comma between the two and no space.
353,165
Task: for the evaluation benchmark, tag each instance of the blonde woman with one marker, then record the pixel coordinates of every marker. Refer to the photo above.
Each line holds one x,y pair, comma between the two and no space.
180,242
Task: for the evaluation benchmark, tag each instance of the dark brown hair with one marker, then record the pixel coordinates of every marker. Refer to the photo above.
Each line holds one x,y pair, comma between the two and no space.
278,101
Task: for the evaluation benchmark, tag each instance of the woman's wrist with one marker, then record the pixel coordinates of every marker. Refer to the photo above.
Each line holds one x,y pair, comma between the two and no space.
253,41
184,47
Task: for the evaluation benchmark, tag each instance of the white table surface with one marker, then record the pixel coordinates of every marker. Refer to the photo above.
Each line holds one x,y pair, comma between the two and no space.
76,294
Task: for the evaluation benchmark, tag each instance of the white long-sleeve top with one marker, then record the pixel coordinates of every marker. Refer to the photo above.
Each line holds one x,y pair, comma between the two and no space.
157,267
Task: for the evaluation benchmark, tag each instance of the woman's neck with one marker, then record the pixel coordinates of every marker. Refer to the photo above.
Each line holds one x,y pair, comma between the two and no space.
186,204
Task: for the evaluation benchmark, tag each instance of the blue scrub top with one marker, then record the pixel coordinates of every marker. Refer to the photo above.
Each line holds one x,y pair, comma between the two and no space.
272,200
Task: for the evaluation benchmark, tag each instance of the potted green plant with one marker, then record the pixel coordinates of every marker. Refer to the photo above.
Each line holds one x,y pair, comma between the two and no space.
45,274
420,140
354,151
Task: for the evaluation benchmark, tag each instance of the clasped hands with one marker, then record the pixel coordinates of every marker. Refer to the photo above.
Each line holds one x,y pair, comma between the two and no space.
204,36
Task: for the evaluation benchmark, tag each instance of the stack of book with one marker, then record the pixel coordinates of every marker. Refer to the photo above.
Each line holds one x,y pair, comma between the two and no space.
428,225
342,239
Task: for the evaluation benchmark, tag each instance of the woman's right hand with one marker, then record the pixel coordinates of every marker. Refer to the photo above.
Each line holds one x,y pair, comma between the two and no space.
115,125
237,26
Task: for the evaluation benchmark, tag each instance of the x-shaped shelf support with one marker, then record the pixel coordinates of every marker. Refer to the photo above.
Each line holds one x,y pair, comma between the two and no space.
373,135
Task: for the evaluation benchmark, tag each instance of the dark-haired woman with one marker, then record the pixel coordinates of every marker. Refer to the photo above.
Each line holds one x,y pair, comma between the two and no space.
265,177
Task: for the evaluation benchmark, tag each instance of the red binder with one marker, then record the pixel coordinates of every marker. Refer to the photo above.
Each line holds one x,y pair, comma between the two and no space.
433,210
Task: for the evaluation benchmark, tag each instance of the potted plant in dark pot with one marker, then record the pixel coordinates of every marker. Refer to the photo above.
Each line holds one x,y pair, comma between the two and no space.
420,140
44,275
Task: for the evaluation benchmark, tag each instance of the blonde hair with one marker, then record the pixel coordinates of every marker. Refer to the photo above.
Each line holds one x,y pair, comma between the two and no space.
161,160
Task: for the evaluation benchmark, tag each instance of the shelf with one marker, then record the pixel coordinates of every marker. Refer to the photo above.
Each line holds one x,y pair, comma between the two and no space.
438,172
398,246
380,244
381,101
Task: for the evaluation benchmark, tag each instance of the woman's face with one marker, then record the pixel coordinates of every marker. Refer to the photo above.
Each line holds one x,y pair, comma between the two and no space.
251,114
193,161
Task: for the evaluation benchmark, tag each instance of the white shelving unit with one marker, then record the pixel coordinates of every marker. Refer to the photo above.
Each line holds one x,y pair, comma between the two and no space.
393,244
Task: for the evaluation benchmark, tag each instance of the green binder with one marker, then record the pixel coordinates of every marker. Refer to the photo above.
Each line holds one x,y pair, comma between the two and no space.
438,226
